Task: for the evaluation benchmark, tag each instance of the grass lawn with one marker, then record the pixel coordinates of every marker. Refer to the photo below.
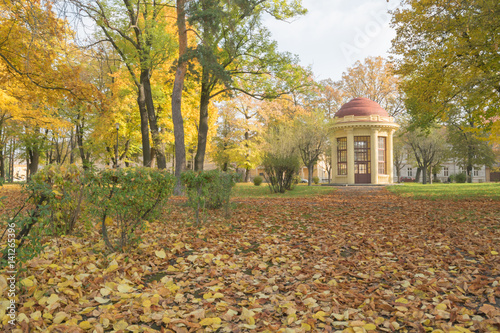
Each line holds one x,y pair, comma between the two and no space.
249,190
448,191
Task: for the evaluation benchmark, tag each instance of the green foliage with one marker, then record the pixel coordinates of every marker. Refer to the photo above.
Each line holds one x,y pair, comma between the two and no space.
458,178
208,190
66,184
56,193
315,180
281,171
124,198
257,180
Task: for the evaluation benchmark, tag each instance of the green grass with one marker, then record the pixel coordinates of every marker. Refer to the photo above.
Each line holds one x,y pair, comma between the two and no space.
249,190
448,191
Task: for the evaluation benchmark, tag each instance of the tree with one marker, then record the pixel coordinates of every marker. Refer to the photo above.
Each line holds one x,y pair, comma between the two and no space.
373,79
399,153
469,148
281,160
180,74
236,54
138,31
447,51
428,149
311,136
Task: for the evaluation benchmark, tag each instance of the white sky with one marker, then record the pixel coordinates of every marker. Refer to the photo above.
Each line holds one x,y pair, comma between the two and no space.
334,34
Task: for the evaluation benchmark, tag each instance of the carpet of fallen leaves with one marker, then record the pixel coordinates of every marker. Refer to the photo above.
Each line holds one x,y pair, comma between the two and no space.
357,260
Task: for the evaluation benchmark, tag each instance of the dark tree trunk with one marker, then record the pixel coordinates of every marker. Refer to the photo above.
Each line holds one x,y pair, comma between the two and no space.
146,148
2,156
310,171
417,176
180,73
33,161
153,121
81,149
203,126
247,175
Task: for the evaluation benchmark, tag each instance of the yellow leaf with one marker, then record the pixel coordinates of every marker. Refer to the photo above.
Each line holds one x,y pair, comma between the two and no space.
60,316
161,254
210,321
494,253
306,327
85,325
402,300
113,265
124,288
218,295
441,306
36,315
370,327
105,291
52,299
320,315
146,303
108,221
121,325
27,282
101,300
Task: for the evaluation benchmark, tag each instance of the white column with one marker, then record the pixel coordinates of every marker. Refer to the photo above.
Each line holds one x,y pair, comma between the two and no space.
374,155
350,156
390,156
333,161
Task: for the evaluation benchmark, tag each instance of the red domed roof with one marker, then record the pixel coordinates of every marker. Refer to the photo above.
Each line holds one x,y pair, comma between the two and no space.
361,107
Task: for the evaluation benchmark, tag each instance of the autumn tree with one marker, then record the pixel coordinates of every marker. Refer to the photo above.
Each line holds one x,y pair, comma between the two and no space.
236,54
448,50
311,136
428,149
138,32
373,79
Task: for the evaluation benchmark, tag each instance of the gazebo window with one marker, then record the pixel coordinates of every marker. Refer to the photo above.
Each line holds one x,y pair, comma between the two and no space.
342,156
382,170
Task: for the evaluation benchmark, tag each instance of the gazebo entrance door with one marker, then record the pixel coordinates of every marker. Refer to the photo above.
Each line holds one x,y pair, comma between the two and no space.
362,170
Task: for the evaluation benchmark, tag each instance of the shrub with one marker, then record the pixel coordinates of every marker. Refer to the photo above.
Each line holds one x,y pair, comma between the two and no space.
55,194
459,178
315,180
124,198
257,180
208,190
280,171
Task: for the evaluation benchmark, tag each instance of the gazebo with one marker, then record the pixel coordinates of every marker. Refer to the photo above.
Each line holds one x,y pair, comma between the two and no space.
362,151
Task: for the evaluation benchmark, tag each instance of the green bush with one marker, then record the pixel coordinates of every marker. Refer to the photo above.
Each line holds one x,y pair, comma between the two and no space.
55,194
124,198
281,171
458,178
208,190
257,180
315,180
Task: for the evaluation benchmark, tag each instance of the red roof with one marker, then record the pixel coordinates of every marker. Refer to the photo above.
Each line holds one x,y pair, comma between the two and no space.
361,107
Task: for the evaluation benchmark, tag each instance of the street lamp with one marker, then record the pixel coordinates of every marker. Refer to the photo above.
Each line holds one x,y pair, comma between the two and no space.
117,125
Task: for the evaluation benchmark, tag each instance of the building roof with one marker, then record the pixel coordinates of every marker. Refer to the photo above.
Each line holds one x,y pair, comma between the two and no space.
361,107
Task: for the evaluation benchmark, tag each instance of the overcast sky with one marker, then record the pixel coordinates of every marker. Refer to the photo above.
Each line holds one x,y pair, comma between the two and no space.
334,34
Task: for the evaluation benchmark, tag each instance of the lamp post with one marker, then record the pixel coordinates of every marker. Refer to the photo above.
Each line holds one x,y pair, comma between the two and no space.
117,125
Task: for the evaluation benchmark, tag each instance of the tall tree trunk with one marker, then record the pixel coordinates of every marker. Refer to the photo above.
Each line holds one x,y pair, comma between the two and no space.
417,176
310,171
2,156
33,161
247,175
180,73
143,111
81,149
203,125
153,121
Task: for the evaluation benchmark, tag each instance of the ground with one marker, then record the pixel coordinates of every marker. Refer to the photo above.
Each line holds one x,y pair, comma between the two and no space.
352,260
